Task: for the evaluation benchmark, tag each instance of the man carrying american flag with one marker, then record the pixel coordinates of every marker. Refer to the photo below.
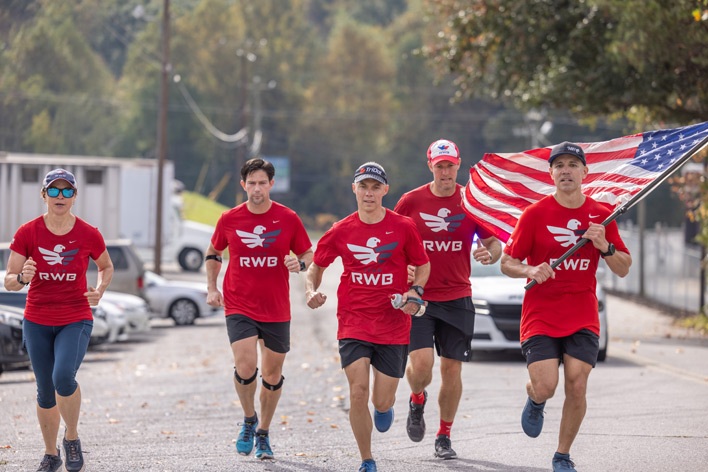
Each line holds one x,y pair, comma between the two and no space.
559,319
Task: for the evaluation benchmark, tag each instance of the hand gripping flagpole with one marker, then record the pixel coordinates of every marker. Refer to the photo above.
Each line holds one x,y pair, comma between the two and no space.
630,203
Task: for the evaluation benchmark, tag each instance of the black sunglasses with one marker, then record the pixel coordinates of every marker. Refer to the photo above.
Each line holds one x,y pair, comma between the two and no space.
66,192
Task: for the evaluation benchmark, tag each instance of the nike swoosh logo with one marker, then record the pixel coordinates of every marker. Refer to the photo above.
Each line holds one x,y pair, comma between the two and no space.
389,232
72,242
593,216
276,221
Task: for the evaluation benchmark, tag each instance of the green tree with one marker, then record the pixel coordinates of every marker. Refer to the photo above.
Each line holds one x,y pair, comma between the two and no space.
346,118
55,91
225,54
643,59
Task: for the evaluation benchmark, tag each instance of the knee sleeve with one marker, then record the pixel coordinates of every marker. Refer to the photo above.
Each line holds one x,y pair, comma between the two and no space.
273,387
245,381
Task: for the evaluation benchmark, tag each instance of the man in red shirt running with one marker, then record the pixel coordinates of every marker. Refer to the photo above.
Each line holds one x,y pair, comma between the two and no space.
448,323
261,235
559,317
376,246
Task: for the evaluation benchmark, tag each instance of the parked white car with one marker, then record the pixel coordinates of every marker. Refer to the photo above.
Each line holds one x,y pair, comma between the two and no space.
101,331
182,301
116,319
136,310
497,303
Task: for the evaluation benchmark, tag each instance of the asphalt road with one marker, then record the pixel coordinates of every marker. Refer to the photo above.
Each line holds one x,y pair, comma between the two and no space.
165,402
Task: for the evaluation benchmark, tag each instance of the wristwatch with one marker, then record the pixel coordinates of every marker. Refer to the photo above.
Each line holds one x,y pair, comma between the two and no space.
417,289
19,279
610,250
303,266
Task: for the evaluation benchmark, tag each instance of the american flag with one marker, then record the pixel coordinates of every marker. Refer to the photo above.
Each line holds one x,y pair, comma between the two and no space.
501,186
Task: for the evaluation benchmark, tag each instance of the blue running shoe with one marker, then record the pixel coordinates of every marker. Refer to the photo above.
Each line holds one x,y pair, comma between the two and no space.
369,465
532,418
562,463
383,421
244,443
263,450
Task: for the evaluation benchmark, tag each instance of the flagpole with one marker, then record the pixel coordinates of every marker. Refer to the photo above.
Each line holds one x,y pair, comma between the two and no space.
630,203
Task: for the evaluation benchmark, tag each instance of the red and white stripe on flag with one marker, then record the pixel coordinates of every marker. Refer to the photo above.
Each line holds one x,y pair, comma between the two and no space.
501,186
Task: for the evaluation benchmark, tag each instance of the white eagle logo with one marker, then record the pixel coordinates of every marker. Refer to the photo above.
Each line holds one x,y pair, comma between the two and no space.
567,236
372,252
443,221
258,238
58,255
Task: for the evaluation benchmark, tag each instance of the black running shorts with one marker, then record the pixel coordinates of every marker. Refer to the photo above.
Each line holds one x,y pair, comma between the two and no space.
449,326
389,359
275,336
583,345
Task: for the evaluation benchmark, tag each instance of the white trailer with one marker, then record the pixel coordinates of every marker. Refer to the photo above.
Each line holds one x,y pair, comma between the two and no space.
118,196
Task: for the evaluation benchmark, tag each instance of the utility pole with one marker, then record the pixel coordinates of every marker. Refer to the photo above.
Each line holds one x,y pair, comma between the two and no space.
162,132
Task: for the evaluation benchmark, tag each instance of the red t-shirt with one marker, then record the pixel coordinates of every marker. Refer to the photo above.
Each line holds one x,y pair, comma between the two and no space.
375,258
447,237
56,293
257,283
546,230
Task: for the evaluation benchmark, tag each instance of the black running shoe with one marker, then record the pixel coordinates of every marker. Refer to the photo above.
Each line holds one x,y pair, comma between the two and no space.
443,448
50,463
415,425
73,455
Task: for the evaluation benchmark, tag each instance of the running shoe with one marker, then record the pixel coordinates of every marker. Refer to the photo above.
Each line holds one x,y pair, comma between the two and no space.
263,450
50,463
415,425
383,420
532,418
562,463
244,443
443,448
369,465
74,458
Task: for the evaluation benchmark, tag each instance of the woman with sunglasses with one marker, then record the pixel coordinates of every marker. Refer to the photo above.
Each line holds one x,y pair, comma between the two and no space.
51,254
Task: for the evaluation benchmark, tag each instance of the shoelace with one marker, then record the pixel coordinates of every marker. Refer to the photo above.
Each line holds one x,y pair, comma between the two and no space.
248,431
46,463
416,413
262,442
566,463
73,454
536,413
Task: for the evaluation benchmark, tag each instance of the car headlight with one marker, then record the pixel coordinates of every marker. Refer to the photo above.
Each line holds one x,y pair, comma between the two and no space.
99,312
481,307
11,320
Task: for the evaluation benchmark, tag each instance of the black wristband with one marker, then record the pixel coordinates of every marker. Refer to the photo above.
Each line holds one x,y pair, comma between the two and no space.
303,266
213,257
19,279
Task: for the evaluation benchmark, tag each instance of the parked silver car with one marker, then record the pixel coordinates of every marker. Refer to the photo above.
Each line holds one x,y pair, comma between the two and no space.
182,301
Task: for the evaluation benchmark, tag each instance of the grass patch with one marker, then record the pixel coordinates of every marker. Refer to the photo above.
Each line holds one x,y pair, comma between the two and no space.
197,207
697,322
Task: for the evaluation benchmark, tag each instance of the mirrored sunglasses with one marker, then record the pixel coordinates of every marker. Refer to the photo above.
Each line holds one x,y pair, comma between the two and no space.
66,192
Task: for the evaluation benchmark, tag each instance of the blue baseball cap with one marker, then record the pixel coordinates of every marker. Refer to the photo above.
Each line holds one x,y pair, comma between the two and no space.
59,174
567,147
